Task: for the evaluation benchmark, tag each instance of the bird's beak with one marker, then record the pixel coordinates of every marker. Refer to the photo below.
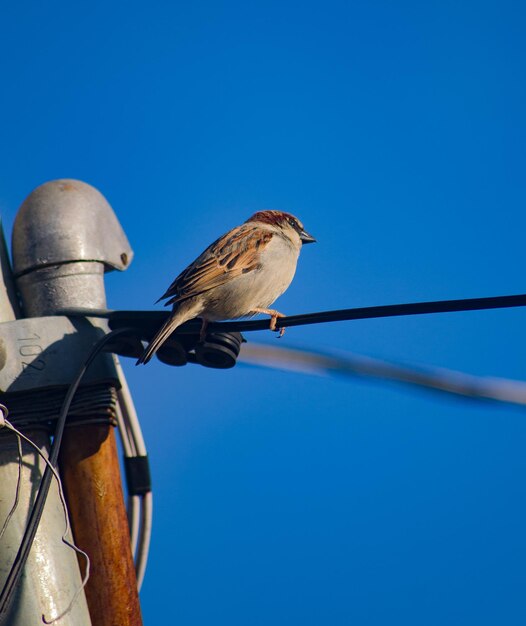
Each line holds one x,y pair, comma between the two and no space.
306,238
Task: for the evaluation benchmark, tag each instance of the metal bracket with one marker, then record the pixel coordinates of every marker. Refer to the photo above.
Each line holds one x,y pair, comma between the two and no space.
46,352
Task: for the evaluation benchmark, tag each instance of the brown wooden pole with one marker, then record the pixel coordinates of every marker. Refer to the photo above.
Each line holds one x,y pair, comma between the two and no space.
91,476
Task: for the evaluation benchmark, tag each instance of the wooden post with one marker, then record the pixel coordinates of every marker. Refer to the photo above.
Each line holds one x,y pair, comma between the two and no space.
91,476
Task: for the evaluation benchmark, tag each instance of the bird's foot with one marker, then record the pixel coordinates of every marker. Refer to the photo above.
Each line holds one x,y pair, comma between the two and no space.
274,315
202,333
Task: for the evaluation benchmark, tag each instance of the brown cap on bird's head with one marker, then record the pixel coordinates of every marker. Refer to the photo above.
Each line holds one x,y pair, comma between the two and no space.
281,219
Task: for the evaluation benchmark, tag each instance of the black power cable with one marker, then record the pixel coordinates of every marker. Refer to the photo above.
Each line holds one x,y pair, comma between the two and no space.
146,323
370,312
13,578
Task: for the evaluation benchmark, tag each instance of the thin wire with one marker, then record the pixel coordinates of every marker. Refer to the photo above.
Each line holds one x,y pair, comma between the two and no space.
134,510
353,365
136,444
3,421
126,401
145,537
133,504
15,572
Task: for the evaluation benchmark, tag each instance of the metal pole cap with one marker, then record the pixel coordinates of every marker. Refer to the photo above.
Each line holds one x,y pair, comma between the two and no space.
64,221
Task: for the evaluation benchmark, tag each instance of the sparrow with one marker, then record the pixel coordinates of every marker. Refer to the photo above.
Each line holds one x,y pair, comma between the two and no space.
239,275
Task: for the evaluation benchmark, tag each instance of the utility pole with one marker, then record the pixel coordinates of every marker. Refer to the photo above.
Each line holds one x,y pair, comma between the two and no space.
65,238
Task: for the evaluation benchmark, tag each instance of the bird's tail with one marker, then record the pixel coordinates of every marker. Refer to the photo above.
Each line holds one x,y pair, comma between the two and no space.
185,311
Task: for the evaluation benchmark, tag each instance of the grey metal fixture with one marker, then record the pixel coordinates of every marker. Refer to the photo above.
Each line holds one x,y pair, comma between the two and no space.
65,237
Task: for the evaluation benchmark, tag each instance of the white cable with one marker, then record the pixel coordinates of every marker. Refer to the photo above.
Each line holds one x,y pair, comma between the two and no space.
140,506
133,505
123,432
144,545
129,412
353,365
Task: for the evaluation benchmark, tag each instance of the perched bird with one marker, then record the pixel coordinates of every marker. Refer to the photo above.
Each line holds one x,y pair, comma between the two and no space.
239,275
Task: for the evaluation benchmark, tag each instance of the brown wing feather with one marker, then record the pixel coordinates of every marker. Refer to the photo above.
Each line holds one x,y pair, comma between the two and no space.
231,255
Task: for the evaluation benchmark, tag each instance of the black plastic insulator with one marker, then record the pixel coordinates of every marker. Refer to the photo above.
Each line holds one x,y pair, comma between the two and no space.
220,350
172,352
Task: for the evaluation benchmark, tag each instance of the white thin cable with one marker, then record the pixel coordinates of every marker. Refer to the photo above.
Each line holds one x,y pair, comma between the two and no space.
353,365
144,544
133,505
133,429
5,423
128,406
146,501
123,432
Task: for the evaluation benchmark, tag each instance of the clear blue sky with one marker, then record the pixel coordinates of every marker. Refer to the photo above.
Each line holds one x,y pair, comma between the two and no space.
396,131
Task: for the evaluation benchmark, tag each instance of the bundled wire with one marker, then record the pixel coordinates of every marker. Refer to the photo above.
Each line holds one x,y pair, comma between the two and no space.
137,476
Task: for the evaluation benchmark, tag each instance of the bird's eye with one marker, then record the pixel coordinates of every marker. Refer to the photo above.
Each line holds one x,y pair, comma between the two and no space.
295,224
